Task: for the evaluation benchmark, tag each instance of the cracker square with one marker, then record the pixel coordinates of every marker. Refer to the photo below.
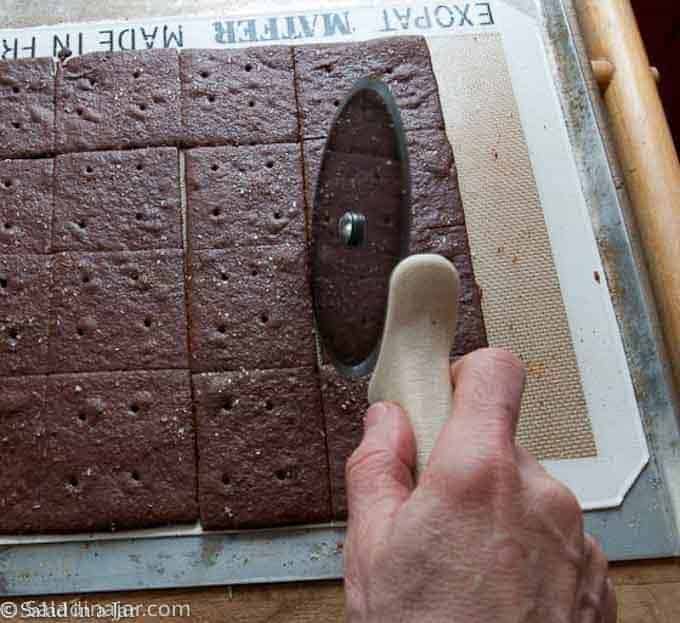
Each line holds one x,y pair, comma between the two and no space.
118,201
324,74
250,308
262,452
26,107
25,283
110,100
26,204
345,402
118,311
238,97
245,196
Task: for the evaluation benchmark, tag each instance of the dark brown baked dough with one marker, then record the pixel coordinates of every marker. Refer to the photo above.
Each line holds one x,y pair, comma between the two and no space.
262,452
437,221
250,308
118,99
312,156
116,449
118,311
26,107
471,331
365,125
324,74
371,186
447,241
118,200
23,423
25,283
350,284
435,195
452,243
245,196
428,212
107,451
26,199
344,406
238,96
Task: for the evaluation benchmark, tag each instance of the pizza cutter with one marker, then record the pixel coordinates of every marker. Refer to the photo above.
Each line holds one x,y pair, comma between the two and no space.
378,311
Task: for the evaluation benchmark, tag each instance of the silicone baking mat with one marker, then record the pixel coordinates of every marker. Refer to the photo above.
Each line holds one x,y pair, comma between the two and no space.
528,226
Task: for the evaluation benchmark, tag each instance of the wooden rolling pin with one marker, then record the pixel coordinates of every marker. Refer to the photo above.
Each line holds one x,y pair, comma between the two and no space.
645,149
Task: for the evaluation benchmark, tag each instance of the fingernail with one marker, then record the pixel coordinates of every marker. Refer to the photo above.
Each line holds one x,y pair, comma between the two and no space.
374,414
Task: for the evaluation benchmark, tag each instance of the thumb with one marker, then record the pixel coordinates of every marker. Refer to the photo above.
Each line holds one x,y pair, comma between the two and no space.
379,473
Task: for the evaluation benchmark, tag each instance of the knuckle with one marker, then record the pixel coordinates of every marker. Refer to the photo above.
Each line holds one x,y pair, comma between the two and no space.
587,549
366,463
500,472
558,500
480,479
598,559
499,360
598,585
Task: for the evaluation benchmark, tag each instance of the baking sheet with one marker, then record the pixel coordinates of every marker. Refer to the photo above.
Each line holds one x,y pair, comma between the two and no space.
600,481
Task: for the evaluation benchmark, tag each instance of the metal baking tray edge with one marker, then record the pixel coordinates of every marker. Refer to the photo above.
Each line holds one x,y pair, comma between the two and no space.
647,524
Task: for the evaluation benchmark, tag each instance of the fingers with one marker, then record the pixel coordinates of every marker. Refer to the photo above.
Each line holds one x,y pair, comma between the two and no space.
379,473
528,464
488,393
598,599
611,609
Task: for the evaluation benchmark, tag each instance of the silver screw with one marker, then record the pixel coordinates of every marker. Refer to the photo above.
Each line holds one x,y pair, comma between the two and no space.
352,229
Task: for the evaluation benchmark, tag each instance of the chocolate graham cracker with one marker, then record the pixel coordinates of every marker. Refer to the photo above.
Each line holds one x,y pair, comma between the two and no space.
23,422
437,220
435,195
25,283
324,74
118,311
26,201
238,97
245,196
250,308
108,342
118,201
107,451
437,226
118,99
345,402
350,287
26,107
262,452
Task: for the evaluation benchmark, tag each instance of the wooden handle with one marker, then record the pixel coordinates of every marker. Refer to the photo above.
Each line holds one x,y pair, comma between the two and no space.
645,148
413,367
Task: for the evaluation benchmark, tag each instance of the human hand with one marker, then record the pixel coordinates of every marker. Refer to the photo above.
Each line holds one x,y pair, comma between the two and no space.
486,536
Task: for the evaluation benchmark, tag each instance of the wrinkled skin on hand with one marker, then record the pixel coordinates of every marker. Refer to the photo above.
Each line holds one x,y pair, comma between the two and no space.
486,536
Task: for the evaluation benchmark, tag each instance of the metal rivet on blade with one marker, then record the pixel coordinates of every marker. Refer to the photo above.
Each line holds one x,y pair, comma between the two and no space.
352,229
